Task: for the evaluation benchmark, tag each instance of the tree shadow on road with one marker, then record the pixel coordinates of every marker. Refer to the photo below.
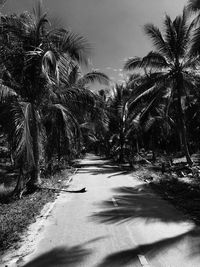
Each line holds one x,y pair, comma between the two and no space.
137,202
141,203
104,168
150,250
61,256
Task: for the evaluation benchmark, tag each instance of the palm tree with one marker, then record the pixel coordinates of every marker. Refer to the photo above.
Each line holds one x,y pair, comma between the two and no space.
32,58
170,67
81,108
123,123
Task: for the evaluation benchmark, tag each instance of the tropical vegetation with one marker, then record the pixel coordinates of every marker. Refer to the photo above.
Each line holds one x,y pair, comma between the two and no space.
49,115
43,92
159,111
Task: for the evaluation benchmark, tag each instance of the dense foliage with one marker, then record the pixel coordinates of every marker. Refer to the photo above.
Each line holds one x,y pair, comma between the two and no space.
43,92
157,109
53,114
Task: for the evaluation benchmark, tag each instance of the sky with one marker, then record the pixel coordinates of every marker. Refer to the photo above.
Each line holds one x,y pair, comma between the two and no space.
113,27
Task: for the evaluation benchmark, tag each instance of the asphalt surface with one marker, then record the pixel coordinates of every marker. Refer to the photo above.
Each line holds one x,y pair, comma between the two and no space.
117,222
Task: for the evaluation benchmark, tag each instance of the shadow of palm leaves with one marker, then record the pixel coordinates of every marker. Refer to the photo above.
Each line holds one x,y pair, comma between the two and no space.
61,256
125,257
96,169
137,202
141,202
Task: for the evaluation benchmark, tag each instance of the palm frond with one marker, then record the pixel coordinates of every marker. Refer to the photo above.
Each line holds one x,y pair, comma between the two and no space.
134,81
158,40
50,66
192,63
39,21
68,69
182,33
195,48
191,28
40,26
170,36
73,44
194,5
149,123
6,92
154,102
60,119
149,87
73,75
68,117
133,63
148,81
191,83
154,60
12,25
22,118
145,93
88,125
38,10
93,77
77,99
133,76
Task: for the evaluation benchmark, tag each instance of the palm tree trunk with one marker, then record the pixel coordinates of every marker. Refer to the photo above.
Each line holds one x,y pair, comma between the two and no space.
121,156
35,172
182,120
137,145
180,138
20,184
184,139
59,146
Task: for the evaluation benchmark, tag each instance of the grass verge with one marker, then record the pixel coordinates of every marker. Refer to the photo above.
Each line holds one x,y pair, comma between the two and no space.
184,196
17,215
183,193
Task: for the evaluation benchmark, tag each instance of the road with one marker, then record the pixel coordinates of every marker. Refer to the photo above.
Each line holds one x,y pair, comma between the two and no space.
117,222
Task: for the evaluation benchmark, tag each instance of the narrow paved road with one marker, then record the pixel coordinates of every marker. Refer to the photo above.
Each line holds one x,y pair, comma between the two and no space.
117,222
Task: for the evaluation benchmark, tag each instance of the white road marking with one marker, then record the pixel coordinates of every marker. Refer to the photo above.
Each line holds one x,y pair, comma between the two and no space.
142,258
114,202
143,261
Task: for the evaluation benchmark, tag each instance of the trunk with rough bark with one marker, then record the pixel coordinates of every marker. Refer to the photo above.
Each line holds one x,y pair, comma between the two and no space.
137,145
35,180
182,120
59,146
19,186
180,137
121,156
21,183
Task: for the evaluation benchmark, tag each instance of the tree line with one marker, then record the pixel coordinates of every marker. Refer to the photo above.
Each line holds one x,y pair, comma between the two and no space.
45,100
157,108
48,111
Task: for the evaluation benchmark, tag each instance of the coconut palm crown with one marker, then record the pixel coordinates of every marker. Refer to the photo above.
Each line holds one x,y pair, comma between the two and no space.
171,66
37,63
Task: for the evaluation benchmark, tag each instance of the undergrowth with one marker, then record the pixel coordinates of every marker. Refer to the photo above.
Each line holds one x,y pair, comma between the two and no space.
16,215
183,193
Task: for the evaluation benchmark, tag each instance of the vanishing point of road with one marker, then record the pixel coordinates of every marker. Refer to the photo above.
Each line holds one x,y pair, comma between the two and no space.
119,221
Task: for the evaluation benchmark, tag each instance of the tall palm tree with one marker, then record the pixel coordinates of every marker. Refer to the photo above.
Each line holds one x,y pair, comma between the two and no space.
32,58
123,124
83,108
170,66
